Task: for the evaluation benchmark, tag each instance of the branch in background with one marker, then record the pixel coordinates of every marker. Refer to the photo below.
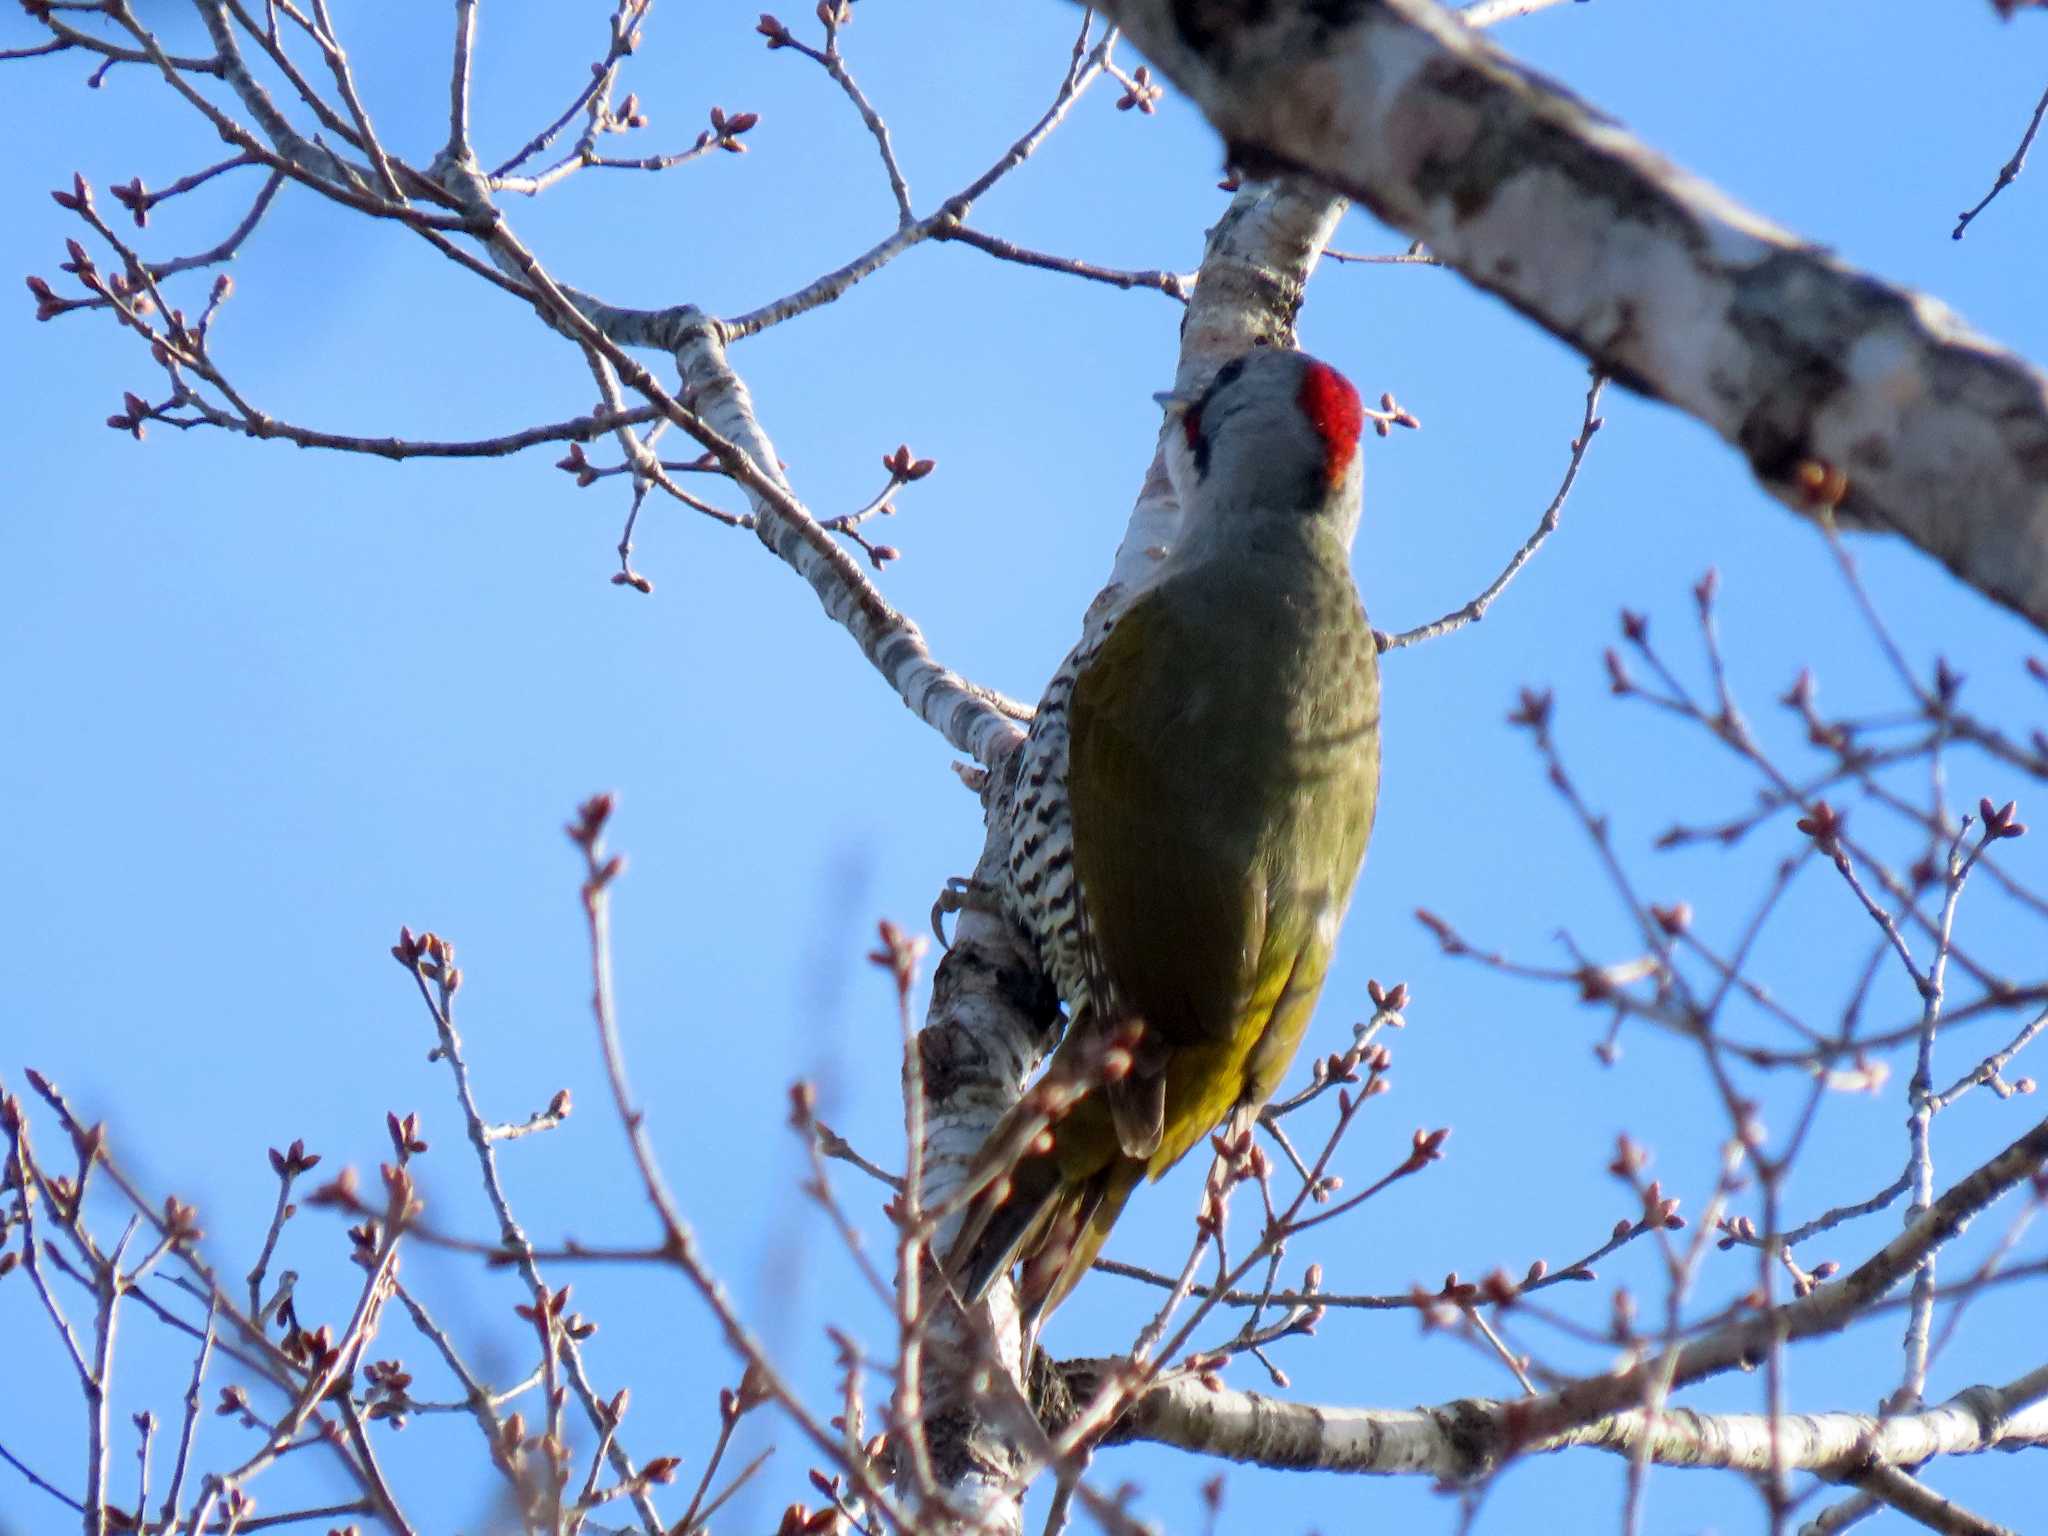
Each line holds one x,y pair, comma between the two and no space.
302,1371
624,36
1086,67
1824,1309
834,15
973,719
1414,256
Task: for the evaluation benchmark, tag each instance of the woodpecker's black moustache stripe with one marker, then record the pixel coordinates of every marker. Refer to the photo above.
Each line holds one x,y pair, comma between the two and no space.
1227,375
1198,441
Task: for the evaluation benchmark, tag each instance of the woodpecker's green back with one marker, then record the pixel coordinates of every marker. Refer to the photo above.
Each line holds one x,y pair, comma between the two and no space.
1221,768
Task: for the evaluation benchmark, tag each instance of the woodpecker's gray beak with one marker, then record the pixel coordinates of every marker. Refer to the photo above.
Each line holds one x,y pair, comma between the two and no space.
1171,403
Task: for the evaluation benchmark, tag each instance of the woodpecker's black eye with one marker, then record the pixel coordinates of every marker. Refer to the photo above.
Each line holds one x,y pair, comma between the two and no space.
1225,376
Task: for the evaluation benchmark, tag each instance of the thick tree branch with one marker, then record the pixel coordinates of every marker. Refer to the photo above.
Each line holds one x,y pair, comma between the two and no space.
1841,391
1470,1438
1460,1440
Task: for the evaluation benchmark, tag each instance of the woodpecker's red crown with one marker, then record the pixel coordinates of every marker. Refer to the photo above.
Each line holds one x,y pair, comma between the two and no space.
1333,408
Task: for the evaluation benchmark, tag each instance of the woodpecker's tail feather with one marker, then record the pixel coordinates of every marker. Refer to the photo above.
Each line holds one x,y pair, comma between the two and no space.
1003,1223
1055,1172
1050,1225
1069,1244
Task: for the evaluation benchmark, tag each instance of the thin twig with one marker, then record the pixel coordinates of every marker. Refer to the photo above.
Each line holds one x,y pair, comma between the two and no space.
2008,172
36,1481
437,991
1921,1504
624,34
679,1242
458,81
954,210
1175,285
190,1428
1475,610
1988,1072
1417,255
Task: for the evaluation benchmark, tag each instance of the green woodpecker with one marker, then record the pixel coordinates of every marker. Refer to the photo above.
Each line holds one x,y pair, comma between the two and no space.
1189,818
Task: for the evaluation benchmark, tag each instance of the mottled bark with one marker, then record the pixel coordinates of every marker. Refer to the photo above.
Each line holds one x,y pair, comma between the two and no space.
1461,1440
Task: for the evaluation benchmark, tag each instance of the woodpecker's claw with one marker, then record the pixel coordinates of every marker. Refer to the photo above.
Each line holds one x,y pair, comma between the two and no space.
960,895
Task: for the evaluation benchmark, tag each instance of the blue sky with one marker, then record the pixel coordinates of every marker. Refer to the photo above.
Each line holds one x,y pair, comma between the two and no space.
268,704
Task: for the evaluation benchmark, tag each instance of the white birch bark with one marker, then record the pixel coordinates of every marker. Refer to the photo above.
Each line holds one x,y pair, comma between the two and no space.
1464,1440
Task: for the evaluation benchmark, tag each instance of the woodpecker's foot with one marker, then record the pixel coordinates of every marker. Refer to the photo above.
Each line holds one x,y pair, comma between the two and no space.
962,895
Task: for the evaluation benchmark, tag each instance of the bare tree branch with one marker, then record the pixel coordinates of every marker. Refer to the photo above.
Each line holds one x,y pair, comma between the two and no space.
1915,1500
1546,525
2008,172
1468,1438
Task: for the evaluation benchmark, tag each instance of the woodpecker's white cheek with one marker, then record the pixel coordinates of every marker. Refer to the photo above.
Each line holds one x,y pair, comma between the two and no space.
1180,464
